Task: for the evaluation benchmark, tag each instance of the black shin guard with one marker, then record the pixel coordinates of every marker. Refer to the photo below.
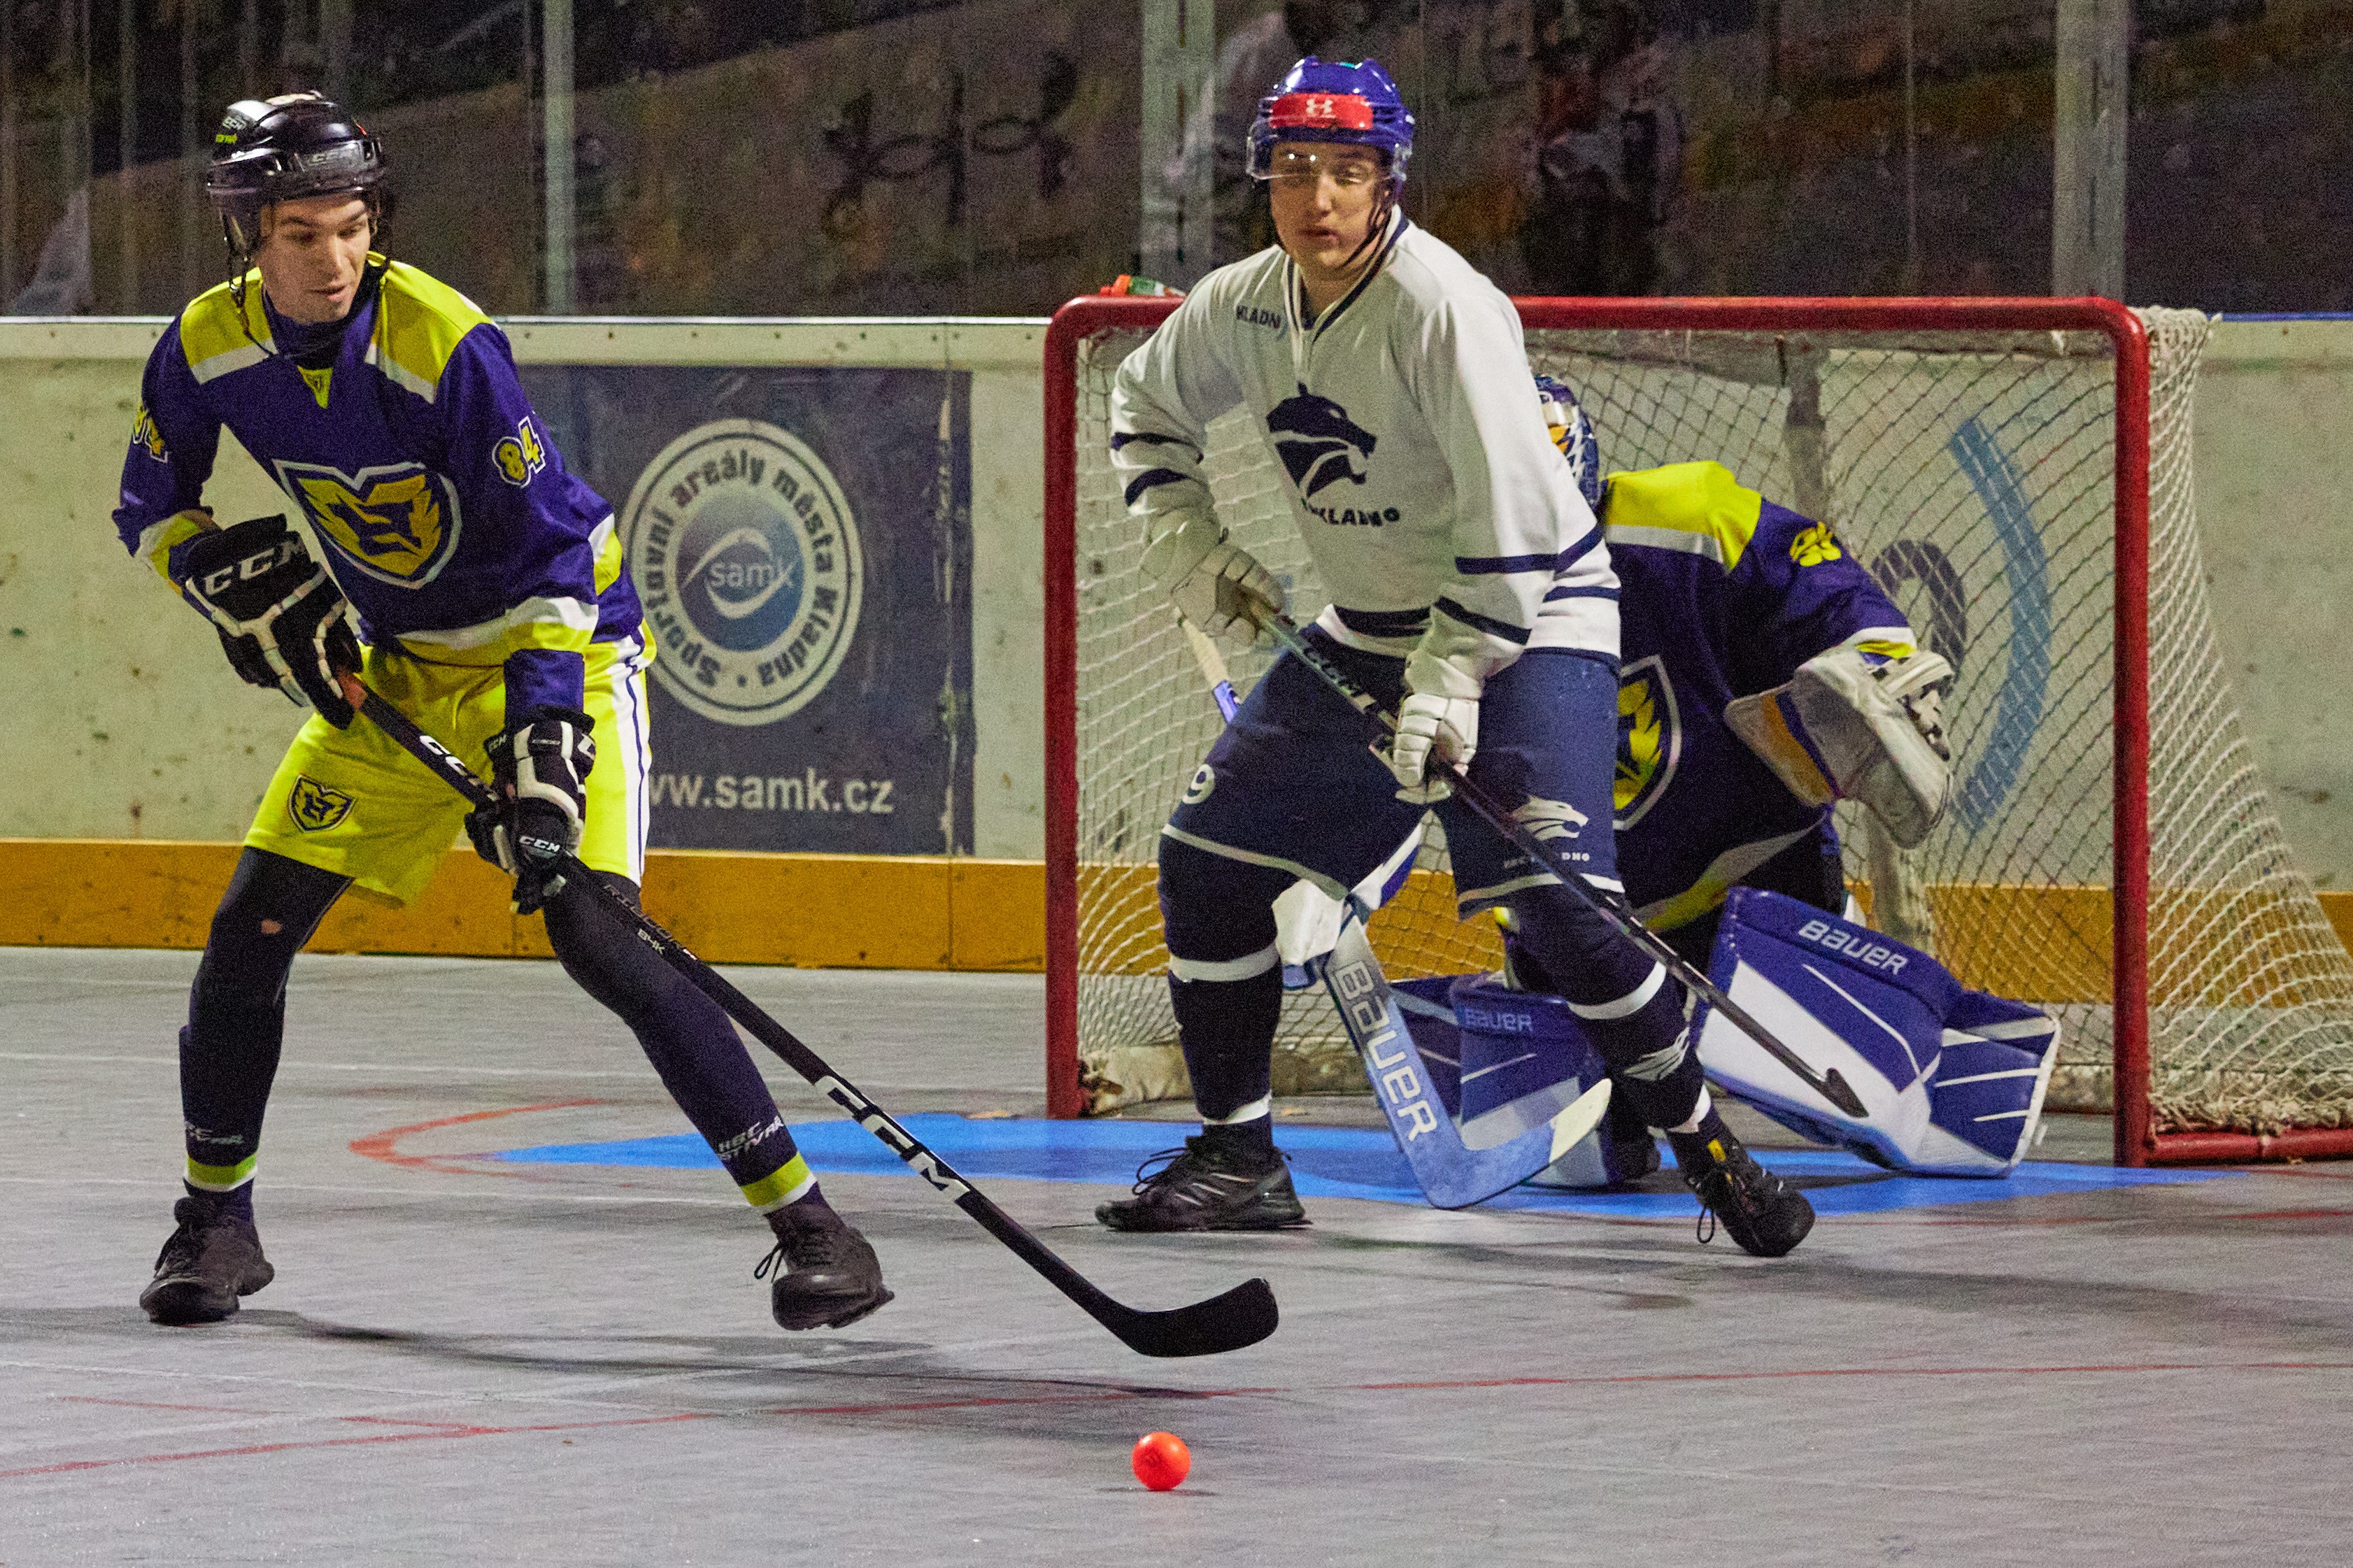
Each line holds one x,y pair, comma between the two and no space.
1625,1001
237,1015
1225,979
1227,1030
686,1036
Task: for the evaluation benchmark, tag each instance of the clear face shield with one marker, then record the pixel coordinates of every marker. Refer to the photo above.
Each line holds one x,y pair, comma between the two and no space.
1350,169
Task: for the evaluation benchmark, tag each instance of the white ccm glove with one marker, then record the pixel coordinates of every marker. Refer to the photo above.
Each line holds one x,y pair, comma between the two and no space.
1211,582
1440,715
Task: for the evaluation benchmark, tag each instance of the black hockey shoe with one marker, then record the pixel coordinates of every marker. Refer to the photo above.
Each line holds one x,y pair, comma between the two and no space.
827,1275
1203,1187
1765,1215
209,1262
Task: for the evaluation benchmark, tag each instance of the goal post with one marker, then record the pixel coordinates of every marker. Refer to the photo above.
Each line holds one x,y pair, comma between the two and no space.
2017,475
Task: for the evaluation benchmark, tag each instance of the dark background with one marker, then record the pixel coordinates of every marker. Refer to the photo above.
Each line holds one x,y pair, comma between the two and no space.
901,157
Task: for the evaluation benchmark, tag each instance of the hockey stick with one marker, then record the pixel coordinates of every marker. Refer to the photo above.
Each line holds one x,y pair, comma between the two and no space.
1242,1316
1829,1085
1450,1174
1213,667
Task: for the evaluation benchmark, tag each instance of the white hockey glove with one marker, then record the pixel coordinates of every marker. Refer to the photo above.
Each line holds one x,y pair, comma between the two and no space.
539,767
1848,728
1439,716
1211,582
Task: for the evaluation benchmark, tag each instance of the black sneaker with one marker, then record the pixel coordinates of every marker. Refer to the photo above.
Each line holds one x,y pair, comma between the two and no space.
210,1261
827,1275
1765,1215
1205,1188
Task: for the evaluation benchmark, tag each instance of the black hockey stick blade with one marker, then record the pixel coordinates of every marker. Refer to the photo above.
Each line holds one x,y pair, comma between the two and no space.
1829,1085
1241,1316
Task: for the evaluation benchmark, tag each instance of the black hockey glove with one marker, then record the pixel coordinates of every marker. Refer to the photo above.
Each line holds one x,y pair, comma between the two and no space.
540,768
281,619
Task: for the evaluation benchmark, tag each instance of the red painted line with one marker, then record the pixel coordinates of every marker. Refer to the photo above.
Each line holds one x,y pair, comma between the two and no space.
1108,1395
385,1145
2293,1214
68,1466
1868,1371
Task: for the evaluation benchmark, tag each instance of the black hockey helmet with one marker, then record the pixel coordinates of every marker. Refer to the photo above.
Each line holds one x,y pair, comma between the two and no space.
283,149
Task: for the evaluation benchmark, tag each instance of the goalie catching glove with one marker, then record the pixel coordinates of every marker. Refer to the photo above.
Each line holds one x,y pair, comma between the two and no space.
281,619
1214,584
1854,726
539,766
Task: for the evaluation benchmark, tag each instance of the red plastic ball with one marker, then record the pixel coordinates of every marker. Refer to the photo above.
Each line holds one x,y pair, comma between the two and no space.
1161,1460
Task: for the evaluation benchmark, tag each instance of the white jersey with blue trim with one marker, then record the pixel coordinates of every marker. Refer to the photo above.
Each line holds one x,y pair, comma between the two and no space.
1421,473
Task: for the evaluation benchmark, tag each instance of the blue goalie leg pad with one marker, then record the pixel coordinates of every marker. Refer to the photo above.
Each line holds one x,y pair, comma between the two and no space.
1952,1080
1514,1087
1406,1085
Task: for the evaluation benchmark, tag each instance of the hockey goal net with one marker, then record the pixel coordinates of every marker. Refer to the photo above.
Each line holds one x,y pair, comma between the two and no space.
2017,475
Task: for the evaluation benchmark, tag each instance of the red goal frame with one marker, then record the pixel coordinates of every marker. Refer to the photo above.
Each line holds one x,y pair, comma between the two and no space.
2137,1144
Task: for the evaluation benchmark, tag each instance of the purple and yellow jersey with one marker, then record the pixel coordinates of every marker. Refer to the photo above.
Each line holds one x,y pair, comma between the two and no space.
1723,595
447,517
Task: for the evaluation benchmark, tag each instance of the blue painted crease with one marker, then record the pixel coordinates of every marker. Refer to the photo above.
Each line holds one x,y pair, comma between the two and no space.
1326,1163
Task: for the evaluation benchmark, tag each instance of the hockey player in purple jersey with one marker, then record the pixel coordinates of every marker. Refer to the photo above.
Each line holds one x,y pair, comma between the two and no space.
1472,590
492,607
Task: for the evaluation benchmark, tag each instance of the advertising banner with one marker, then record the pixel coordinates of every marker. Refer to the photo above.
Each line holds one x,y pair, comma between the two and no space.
801,540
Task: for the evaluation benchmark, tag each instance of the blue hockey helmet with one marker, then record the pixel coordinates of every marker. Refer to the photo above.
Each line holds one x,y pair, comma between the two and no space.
1336,101
1572,432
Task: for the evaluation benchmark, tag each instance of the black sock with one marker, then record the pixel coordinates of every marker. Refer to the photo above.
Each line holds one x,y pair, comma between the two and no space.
1691,1146
810,1206
1248,1142
235,1203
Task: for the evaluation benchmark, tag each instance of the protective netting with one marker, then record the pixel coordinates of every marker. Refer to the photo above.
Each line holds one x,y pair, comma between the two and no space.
1974,473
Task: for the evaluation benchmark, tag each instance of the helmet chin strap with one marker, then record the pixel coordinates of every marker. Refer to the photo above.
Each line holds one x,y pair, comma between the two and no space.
241,254
1377,228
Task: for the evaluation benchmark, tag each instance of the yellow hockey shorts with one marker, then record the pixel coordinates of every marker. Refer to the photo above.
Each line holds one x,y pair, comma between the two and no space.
352,802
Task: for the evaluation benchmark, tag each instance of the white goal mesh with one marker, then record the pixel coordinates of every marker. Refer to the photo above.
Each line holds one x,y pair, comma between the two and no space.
1974,469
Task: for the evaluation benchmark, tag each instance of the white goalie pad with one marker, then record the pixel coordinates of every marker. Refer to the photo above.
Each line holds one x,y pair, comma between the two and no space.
1953,1079
1845,728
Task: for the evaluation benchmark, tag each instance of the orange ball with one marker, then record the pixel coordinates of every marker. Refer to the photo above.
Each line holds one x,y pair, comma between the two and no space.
1161,1460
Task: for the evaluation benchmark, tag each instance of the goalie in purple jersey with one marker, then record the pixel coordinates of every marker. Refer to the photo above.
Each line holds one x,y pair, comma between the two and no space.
1763,675
492,607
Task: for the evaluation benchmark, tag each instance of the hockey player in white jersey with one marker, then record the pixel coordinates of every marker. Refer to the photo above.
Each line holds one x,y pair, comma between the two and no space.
1472,590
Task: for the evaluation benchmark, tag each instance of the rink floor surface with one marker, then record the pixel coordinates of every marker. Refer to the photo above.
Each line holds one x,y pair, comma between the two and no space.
514,1322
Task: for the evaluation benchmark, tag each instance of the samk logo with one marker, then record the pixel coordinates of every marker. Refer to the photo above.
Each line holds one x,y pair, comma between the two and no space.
1650,739
747,563
1318,443
1549,819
